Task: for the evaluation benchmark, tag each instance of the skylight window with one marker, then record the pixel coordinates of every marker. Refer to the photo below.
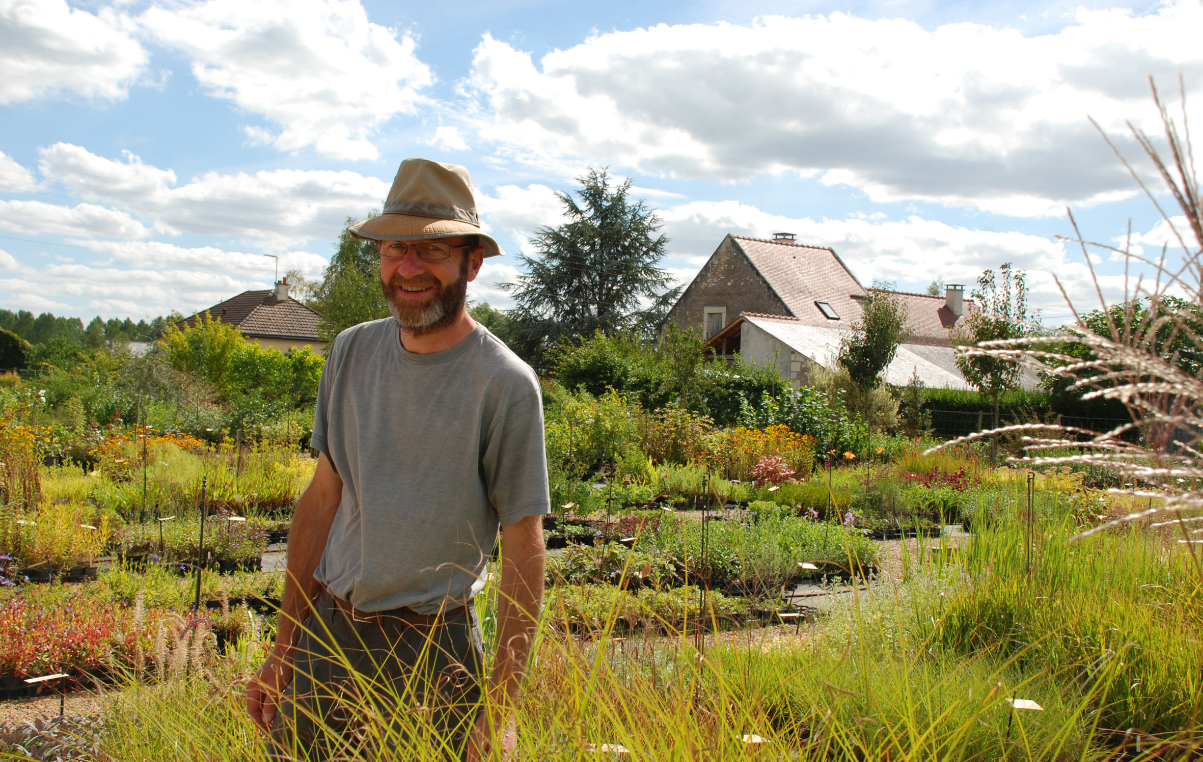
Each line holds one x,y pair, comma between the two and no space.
827,310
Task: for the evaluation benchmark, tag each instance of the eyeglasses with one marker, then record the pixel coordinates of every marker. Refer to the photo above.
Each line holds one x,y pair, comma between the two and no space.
427,250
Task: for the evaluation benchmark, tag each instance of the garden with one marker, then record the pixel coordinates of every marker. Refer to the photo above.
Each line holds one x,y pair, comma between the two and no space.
685,561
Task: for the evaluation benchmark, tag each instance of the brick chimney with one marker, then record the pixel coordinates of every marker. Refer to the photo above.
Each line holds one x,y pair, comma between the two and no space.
282,290
954,298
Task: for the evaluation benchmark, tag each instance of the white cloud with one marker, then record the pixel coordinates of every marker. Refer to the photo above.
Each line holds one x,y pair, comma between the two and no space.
165,256
13,176
448,138
1172,233
964,115
7,263
317,68
520,210
23,295
48,48
34,217
487,286
280,206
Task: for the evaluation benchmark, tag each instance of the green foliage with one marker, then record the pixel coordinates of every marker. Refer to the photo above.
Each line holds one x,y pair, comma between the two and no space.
584,432
967,400
205,349
1166,326
913,419
14,351
999,312
808,411
875,336
261,383
497,321
593,273
43,328
674,371
350,291
875,406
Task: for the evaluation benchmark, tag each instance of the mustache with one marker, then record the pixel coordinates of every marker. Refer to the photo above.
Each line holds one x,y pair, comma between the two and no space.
417,282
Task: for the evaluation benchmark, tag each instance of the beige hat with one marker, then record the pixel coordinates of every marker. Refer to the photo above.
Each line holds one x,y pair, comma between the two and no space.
427,200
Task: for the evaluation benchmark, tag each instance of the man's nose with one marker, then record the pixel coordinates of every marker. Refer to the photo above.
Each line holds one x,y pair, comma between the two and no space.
411,265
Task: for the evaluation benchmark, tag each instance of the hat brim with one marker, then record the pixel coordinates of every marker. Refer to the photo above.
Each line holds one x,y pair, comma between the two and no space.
405,227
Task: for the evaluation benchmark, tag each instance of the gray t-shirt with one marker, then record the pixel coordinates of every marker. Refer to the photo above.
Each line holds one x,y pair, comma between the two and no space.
435,453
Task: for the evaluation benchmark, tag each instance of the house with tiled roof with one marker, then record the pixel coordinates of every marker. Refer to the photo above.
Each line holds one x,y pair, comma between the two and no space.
788,303
270,318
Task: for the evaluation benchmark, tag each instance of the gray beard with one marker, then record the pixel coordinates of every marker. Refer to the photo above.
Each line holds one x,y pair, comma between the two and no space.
434,315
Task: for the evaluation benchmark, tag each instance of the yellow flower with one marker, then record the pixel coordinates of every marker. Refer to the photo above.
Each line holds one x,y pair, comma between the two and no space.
849,456
880,450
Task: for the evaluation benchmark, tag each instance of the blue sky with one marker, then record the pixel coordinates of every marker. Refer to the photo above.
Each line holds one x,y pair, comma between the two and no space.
151,155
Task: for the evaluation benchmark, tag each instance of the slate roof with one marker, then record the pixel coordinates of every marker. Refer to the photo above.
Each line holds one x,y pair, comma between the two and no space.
802,275
258,314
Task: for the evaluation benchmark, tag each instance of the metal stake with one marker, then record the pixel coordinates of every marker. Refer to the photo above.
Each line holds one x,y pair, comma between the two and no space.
1031,485
145,454
200,553
700,636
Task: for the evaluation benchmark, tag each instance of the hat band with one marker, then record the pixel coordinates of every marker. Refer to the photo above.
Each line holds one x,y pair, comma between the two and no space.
437,211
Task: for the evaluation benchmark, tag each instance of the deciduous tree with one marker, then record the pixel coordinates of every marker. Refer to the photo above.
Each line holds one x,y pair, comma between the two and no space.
999,312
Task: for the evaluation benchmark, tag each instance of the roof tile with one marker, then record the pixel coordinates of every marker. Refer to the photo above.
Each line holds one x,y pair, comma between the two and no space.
260,315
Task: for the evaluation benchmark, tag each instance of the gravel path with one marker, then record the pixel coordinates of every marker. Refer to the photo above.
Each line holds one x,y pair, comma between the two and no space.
80,703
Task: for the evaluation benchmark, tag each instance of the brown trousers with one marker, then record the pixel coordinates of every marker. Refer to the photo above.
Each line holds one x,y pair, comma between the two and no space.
381,687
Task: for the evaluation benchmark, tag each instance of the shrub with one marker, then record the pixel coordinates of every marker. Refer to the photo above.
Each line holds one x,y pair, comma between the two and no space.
14,351
807,411
736,451
583,431
674,434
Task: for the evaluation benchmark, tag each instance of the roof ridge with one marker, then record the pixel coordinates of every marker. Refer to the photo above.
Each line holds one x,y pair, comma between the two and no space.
769,315
783,243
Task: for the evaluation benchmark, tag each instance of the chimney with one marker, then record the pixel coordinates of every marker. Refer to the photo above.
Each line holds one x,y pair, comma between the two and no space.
784,238
282,290
954,296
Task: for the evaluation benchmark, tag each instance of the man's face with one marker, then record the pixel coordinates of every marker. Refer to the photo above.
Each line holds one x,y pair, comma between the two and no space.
426,295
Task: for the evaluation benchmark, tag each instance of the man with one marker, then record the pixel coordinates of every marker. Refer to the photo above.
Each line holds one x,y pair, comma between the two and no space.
430,436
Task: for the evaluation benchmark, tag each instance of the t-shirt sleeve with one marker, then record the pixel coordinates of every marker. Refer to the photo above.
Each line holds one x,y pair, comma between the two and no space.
515,462
321,412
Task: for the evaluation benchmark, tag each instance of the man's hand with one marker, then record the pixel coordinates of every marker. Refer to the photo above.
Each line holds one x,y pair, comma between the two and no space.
306,541
519,601
489,729
263,691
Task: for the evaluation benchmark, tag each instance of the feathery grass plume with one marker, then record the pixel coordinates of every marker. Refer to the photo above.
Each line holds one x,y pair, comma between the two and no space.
159,652
198,642
1136,359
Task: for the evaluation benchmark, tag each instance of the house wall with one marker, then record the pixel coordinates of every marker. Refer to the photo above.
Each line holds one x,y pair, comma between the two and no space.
727,281
758,347
286,344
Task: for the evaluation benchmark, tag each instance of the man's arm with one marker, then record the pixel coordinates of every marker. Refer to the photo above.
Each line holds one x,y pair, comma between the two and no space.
306,542
519,604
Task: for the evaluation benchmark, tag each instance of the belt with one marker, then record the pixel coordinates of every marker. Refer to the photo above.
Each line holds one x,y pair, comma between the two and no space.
404,613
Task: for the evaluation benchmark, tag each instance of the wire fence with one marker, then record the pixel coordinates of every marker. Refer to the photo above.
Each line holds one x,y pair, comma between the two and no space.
950,424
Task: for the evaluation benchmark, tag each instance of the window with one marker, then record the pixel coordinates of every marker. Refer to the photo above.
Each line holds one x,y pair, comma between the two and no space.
714,323
827,310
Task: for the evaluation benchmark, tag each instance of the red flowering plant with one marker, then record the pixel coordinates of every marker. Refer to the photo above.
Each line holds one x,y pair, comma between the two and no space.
958,480
47,629
771,469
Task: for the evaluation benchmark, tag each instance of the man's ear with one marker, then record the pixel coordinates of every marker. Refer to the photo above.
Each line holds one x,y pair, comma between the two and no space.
476,258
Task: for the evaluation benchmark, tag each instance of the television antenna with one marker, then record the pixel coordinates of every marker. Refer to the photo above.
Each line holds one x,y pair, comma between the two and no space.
277,258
